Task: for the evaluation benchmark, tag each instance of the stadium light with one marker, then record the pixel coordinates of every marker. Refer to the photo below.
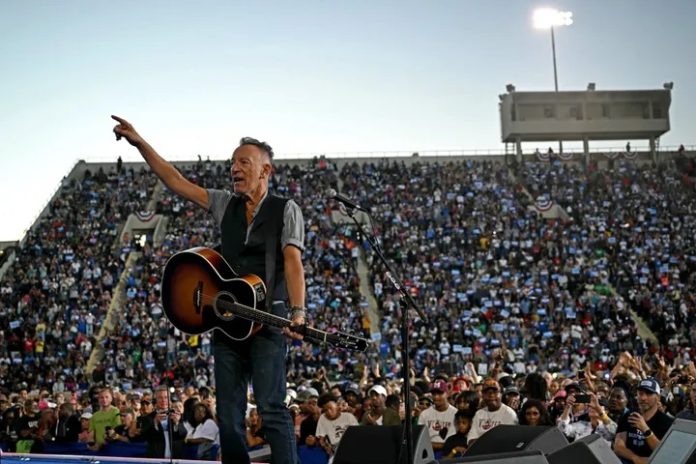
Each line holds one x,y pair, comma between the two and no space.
548,18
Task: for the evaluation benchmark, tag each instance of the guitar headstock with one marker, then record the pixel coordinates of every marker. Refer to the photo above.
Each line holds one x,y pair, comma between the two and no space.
346,341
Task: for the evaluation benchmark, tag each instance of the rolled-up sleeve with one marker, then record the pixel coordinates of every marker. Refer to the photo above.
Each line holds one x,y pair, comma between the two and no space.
607,431
217,203
293,226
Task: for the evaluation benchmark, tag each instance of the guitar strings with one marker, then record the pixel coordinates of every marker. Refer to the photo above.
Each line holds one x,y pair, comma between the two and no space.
320,335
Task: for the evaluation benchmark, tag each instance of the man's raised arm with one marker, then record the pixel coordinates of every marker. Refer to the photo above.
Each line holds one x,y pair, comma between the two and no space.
167,173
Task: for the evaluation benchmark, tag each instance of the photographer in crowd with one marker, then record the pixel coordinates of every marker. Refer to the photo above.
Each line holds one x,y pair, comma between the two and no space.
163,429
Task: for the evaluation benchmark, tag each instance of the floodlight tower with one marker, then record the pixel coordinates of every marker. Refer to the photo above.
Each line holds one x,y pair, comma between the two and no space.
548,18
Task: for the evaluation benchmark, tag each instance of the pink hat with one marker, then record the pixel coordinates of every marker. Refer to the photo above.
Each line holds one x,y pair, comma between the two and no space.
439,385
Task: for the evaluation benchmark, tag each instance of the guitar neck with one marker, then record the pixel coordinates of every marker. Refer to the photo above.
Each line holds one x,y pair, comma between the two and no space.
338,339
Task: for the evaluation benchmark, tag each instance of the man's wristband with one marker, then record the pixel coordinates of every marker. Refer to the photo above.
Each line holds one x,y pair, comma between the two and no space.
297,311
647,433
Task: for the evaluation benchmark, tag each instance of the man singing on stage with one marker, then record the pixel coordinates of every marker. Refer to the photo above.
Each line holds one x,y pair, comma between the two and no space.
262,234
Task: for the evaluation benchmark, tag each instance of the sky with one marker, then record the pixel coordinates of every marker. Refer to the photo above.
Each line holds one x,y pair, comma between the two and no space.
307,76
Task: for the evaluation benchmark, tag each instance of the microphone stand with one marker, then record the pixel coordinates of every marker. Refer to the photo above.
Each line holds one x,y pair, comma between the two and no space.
170,409
170,425
406,302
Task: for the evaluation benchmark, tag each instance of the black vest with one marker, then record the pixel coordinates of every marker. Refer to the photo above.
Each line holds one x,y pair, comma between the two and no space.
262,254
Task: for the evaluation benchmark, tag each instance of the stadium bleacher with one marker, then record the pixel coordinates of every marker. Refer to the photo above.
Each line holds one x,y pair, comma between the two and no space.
613,274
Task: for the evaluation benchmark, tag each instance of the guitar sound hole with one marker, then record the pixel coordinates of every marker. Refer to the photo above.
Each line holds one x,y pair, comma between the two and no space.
223,305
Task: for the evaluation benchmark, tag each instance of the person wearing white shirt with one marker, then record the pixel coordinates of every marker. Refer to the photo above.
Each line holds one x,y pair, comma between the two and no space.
494,413
332,423
439,419
205,434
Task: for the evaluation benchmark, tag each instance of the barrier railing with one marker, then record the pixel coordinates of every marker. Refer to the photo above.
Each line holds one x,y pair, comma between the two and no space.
114,450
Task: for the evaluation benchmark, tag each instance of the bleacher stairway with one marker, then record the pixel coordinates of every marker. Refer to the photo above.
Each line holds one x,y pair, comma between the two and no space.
118,298
111,320
362,266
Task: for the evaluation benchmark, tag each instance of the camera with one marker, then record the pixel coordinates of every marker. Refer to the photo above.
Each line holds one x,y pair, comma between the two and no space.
109,433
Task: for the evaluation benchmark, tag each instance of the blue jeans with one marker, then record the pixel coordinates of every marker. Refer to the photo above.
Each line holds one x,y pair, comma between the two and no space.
260,359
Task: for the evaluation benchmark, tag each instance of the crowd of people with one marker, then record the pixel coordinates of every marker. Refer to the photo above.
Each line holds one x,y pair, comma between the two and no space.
497,274
625,410
505,291
55,296
638,223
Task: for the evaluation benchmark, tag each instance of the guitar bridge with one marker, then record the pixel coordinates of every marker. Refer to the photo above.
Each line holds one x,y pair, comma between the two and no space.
198,297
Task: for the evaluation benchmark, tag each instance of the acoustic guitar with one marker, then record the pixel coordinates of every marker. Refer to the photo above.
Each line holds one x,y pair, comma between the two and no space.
201,292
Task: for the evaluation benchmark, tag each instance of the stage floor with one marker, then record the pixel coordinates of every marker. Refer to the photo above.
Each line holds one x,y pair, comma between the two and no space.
19,458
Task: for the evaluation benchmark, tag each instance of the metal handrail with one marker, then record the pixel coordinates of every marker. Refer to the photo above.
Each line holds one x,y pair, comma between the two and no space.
390,153
23,239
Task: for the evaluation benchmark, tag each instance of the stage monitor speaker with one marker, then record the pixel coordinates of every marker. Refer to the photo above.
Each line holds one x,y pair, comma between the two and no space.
519,457
678,446
376,444
591,449
511,438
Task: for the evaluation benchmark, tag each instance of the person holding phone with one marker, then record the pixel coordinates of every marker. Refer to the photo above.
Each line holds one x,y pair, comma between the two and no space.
590,417
639,432
576,410
163,429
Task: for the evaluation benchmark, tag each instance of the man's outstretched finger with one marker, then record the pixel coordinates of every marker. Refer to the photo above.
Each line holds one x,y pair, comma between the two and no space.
121,120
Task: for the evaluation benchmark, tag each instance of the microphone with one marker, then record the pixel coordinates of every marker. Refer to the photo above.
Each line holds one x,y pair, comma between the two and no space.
333,194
